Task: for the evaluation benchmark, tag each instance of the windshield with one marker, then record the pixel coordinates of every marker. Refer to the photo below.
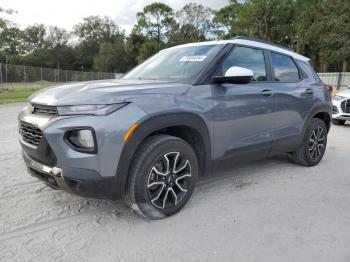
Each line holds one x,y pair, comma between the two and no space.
180,63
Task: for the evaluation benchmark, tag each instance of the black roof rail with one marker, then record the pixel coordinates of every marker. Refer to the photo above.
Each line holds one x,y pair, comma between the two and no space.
251,38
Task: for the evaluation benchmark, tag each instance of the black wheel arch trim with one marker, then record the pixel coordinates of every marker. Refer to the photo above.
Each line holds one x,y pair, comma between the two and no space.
321,107
153,124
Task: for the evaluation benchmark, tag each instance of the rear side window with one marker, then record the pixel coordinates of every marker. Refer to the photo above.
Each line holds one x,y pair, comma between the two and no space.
308,70
284,68
246,57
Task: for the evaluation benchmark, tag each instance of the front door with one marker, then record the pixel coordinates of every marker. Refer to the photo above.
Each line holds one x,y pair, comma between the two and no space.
243,113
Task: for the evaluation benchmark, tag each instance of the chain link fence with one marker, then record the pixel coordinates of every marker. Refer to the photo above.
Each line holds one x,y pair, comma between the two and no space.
14,75
21,75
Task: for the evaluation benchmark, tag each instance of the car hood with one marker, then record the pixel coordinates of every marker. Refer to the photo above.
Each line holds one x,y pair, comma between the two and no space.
345,93
105,91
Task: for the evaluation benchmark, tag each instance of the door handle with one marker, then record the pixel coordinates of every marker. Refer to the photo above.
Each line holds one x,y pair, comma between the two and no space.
309,91
267,92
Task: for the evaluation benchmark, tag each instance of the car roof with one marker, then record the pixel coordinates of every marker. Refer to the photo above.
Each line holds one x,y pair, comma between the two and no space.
253,42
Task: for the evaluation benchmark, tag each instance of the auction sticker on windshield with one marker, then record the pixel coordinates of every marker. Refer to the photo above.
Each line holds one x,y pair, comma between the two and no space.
193,58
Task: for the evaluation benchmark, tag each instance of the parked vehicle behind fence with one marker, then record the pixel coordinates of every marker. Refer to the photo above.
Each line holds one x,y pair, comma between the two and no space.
181,115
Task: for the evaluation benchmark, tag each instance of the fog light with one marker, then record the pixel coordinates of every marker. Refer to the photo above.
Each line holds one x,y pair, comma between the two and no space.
82,140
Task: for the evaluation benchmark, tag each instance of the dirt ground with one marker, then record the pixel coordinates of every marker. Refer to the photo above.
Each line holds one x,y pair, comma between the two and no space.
271,210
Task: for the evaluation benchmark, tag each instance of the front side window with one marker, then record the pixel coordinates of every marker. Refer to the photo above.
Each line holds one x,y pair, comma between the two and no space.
246,57
176,64
284,68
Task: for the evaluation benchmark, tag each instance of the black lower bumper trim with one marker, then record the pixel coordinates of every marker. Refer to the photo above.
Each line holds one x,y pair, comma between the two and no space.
83,182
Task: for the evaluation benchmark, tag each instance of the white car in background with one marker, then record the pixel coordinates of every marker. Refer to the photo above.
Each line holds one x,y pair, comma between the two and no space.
341,107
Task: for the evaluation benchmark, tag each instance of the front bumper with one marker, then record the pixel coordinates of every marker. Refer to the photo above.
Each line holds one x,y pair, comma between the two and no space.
52,176
61,167
92,185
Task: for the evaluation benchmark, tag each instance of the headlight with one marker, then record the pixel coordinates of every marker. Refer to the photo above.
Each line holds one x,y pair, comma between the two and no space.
82,140
338,98
95,110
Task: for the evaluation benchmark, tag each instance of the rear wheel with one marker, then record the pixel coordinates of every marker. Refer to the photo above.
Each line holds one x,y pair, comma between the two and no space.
313,145
338,122
162,177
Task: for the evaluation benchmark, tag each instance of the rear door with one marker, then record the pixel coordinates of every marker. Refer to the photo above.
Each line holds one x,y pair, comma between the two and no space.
293,94
243,113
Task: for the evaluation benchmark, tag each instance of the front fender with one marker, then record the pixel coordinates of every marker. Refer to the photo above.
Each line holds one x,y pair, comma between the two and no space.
152,124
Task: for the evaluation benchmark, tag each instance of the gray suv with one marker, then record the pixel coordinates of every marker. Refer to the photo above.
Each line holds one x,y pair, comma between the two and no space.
181,115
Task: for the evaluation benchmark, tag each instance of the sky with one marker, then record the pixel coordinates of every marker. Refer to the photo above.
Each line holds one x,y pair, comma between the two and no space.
67,13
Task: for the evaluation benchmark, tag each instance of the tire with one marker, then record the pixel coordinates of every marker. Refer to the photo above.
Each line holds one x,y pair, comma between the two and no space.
338,122
313,145
155,188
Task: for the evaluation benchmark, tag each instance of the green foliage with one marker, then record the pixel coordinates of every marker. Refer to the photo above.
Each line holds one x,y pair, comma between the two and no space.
195,23
112,57
268,19
10,40
333,30
56,37
93,32
134,44
155,21
319,29
227,19
148,48
34,38
97,29
60,56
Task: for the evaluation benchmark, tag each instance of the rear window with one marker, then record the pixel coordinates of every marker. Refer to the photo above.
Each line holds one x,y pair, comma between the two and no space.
284,68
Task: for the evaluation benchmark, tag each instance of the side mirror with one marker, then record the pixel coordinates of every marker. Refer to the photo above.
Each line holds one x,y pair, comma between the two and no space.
235,75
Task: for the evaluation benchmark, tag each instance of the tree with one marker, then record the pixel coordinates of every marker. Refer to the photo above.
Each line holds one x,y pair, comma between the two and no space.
148,48
227,19
195,21
306,39
92,32
318,29
155,22
62,56
47,47
56,37
10,38
4,22
332,32
271,20
34,38
134,43
85,53
97,29
112,56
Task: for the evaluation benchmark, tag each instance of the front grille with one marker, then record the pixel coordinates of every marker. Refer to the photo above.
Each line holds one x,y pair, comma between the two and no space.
44,110
30,133
345,106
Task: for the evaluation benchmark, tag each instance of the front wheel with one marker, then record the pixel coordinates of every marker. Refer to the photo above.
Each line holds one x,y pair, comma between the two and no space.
162,176
313,145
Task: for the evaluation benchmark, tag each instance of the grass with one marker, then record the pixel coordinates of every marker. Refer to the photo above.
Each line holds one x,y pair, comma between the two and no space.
19,92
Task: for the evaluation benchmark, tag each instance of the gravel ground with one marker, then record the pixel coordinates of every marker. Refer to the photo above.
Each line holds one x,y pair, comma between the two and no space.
271,210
